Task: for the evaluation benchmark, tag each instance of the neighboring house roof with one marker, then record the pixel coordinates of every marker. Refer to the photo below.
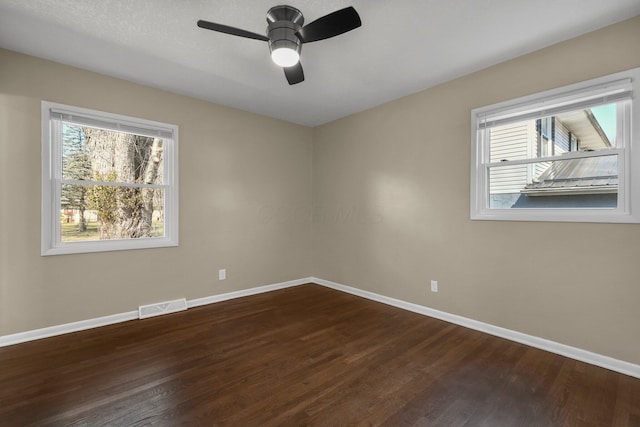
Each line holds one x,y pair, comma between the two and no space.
577,176
591,175
585,126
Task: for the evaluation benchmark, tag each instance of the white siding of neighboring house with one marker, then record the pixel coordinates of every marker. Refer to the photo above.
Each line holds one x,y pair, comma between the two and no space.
515,141
561,138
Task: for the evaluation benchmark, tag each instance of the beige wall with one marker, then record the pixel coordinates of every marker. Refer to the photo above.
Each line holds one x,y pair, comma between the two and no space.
241,176
391,196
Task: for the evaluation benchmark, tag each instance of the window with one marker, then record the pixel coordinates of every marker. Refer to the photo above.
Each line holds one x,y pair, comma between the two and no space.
109,182
563,155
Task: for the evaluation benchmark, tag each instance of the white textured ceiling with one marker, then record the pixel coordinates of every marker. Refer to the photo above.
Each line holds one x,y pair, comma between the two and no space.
402,47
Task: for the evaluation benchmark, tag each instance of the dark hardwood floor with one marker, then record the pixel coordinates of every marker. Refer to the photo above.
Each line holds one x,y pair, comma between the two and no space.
303,356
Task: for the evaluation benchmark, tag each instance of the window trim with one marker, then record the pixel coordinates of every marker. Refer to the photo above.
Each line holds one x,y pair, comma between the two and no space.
51,170
628,210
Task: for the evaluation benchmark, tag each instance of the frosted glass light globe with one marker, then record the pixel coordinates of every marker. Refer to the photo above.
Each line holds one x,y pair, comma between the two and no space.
285,57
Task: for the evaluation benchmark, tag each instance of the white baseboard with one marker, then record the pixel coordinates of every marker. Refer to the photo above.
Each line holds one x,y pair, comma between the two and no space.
247,292
530,340
66,328
82,325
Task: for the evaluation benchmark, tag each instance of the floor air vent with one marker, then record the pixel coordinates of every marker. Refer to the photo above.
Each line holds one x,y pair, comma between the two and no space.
157,309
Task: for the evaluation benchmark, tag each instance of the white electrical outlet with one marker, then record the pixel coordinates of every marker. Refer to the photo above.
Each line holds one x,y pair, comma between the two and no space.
222,274
434,286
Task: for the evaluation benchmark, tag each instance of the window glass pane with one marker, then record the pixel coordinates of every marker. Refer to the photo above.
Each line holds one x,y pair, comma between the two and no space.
590,129
606,116
590,182
94,212
75,154
103,155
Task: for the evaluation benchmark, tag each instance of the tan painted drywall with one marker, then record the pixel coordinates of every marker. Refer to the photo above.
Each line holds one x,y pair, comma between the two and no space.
244,200
391,201
390,197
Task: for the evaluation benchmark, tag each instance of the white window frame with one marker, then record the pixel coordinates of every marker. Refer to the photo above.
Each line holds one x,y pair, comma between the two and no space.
51,241
612,87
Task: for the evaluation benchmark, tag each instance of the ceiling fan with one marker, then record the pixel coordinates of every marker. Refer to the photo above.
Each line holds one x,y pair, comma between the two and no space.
286,34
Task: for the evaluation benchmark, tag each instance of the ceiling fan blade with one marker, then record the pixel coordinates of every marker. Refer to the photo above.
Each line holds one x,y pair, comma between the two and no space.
231,30
330,25
294,74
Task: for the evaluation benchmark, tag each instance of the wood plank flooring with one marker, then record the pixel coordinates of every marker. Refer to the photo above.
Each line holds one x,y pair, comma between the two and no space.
303,356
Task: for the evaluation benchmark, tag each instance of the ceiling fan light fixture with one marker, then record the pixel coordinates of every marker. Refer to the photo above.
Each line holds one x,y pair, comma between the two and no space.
284,44
286,34
285,56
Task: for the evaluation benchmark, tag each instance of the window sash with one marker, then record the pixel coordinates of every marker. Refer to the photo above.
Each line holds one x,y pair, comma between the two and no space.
555,213
88,183
125,126
608,93
566,156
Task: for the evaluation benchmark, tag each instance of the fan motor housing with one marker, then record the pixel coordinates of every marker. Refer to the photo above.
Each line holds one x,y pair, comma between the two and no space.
284,23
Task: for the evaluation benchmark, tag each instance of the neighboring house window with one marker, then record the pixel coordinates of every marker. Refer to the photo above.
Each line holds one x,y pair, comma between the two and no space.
109,182
561,155
544,129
